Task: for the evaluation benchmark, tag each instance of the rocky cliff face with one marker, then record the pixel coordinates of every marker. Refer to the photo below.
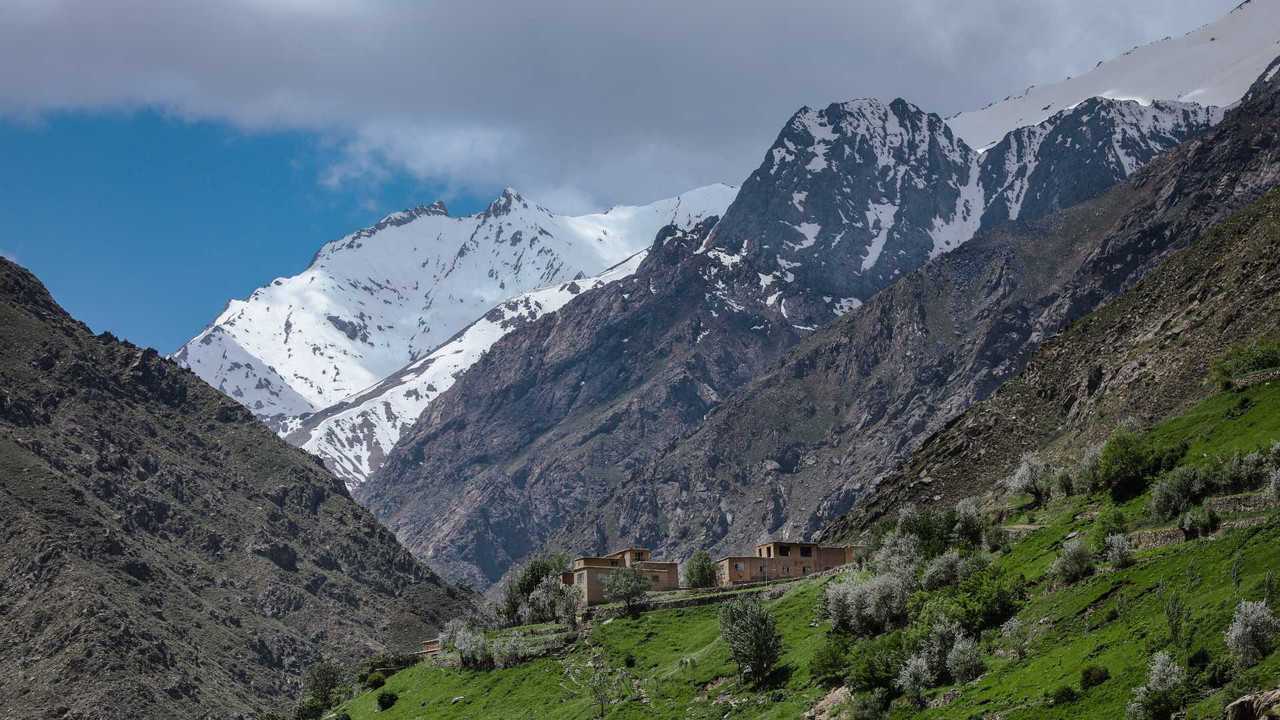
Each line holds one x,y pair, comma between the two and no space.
557,428
1142,357
817,435
163,555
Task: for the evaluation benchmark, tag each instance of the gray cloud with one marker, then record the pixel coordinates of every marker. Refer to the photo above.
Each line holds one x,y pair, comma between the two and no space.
578,103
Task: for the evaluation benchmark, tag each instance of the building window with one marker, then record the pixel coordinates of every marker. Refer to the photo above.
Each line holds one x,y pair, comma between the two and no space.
806,552
784,550
737,566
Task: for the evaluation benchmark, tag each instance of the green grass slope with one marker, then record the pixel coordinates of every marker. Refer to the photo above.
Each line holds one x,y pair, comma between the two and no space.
1114,619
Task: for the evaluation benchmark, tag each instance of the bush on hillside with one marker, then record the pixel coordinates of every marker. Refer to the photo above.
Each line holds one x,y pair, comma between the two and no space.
473,648
375,680
876,662
1110,522
1062,695
1198,522
914,679
386,699
830,660
1092,676
969,523
310,708
1032,477
898,554
1244,359
964,660
1252,634
1176,491
867,607
942,571
700,571
628,586
1087,476
1124,464
551,600
932,529
755,645
871,706
995,538
1016,636
1074,563
942,636
1119,551
1243,472
1163,694
1275,485
322,682
525,580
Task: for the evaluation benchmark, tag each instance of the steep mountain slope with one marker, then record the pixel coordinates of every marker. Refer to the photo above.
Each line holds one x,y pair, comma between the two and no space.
1214,65
354,436
390,294
560,415
1143,357
163,554
812,437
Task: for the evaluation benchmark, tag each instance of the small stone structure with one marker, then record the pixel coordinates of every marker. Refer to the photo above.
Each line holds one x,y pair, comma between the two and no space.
779,560
588,573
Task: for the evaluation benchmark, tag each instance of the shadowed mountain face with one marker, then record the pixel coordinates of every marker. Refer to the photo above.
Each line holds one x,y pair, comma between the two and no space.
559,433
164,555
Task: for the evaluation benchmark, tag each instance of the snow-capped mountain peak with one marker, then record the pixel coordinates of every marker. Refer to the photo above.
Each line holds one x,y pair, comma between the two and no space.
389,294
1214,65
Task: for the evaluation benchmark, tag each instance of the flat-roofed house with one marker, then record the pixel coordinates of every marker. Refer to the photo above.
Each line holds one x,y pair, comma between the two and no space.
589,572
780,560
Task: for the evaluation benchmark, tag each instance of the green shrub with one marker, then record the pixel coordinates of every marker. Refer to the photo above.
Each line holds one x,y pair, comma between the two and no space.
375,680
751,633
386,699
700,571
1176,491
1219,673
311,708
1092,676
1123,464
518,588
1063,695
1198,522
1074,563
322,681
1247,358
829,663
1110,522
874,664
628,586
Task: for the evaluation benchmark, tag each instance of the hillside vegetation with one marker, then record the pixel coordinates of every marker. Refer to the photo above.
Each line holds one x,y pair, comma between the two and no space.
1113,620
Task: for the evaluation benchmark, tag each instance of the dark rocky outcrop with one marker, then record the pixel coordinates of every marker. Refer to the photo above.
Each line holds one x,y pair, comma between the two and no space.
162,555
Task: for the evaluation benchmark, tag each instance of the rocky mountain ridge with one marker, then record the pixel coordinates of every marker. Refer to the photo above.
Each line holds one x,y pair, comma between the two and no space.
550,429
164,555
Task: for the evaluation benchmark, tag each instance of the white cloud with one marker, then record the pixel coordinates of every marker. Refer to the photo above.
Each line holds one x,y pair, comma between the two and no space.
592,102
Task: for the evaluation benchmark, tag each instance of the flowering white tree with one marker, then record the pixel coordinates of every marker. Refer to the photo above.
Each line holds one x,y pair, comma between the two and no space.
1164,692
1252,634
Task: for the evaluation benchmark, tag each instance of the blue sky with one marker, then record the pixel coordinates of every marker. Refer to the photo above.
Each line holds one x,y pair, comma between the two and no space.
145,225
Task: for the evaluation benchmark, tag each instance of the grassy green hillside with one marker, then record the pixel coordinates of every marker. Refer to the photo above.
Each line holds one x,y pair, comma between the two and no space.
1115,619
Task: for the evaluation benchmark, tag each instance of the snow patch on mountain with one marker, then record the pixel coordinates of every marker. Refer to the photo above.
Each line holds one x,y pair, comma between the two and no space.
1214,65
354,436
388,295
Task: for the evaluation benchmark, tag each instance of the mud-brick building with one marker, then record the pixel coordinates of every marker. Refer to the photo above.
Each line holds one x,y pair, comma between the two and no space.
588,573
779,560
